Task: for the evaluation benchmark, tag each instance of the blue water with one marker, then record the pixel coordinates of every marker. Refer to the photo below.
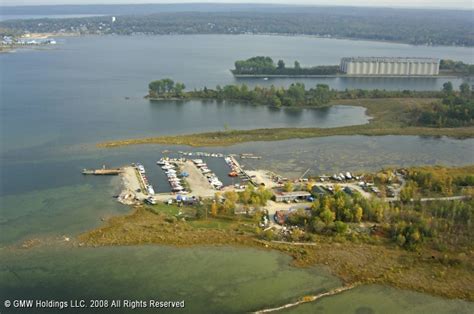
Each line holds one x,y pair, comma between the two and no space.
56,104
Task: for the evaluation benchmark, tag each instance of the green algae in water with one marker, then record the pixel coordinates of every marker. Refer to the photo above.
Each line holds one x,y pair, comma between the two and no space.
210,280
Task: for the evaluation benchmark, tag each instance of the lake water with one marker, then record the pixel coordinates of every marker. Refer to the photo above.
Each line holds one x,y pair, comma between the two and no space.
56,104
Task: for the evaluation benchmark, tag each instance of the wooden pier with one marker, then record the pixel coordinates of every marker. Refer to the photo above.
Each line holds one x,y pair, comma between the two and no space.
103,172
242,173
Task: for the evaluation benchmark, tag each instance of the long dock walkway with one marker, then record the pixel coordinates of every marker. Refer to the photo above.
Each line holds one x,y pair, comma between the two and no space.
241,171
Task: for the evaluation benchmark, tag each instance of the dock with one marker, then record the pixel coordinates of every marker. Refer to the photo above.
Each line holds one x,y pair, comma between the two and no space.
242,174
102,172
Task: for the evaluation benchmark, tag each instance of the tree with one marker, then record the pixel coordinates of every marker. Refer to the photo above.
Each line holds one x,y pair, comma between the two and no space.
231,196
178,89
297,65
340,227
448,88
465,89
358,213
327,216
281,64
288,186
214,208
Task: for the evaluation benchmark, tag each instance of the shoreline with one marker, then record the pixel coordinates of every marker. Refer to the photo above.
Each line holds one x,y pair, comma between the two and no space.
386,118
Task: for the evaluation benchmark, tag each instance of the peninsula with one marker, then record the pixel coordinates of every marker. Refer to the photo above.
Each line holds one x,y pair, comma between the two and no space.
392,112
409,228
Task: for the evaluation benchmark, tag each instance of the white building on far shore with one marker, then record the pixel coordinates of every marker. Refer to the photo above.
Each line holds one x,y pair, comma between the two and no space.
380,66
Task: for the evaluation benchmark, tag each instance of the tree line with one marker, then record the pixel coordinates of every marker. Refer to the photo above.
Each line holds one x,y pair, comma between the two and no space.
419,27
457,67
296,95
261,65
455,110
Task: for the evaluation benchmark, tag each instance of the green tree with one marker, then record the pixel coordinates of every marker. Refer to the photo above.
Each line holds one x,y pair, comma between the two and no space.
340,227
358,213
448,88
327,216
288,186
281,64
465,89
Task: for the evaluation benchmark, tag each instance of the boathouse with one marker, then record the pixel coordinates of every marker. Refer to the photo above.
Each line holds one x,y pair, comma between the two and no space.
291,196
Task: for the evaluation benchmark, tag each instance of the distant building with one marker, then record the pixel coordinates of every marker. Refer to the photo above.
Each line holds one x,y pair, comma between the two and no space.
377,66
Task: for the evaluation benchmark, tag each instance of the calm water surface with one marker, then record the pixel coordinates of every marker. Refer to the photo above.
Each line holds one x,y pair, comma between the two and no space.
56,104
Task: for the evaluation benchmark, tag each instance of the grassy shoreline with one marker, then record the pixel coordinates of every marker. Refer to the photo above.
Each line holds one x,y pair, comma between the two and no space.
389,117
353,262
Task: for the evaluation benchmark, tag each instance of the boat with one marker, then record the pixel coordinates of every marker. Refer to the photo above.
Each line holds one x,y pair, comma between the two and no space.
150,190
233,174
140,168
162,162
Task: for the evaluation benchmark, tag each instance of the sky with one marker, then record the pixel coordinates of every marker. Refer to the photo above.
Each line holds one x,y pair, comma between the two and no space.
455,4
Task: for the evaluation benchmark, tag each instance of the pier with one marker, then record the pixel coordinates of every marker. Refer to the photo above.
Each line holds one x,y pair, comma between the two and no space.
102,172
242,173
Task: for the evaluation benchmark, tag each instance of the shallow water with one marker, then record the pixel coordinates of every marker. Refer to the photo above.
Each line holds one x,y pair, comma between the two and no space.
210,280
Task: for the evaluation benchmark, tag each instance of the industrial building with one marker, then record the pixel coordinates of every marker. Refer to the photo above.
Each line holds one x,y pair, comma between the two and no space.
377,66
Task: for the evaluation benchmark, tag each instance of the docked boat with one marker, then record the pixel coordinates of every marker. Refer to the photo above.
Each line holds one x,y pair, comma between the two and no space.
162,162
233,174
140,168
150,190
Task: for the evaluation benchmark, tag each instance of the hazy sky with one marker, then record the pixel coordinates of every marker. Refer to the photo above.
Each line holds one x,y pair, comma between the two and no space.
460,4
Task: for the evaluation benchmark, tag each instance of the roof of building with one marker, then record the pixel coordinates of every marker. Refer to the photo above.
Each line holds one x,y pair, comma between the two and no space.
293,194
317,189
389,59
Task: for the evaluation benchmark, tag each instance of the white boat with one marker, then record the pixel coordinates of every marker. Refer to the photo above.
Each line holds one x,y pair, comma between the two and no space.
162,162
204,171
150,190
